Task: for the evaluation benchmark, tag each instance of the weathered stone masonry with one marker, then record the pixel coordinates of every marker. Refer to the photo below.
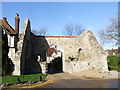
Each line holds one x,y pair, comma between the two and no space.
78,52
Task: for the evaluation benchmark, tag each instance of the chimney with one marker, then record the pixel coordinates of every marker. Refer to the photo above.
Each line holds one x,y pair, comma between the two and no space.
17,24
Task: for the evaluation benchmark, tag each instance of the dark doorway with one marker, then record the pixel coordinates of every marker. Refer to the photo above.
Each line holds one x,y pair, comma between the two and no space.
55,66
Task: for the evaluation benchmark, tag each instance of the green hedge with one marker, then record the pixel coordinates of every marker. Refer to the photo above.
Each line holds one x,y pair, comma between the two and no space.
12,80
114,68
113,61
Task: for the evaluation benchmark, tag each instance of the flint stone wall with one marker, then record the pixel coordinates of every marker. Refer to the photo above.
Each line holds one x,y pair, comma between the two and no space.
23,59
79,53
84,49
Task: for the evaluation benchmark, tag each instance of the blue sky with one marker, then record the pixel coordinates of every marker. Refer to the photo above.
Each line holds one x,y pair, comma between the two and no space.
92,16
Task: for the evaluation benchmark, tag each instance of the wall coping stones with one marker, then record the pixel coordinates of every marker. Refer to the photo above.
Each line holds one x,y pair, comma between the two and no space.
56,36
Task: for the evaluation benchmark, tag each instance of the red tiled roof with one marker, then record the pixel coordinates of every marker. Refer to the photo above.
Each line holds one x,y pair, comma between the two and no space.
7,27
51,51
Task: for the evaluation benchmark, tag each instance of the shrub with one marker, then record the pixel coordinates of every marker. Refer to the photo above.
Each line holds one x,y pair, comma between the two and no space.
113,62
114,68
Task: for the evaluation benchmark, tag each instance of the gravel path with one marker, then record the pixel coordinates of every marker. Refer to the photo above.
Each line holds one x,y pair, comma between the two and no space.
96,74
85,75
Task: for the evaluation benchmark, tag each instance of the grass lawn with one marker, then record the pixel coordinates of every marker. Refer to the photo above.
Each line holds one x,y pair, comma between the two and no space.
12,80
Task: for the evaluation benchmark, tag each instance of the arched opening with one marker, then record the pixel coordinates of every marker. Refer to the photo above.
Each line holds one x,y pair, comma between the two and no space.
55,59
55,66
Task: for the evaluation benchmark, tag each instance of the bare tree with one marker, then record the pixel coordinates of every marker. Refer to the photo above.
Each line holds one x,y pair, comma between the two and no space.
78,29
71,29
34,31
110,34
42,31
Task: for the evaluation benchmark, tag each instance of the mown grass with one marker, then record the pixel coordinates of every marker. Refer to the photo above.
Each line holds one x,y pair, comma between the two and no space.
12,80
113,62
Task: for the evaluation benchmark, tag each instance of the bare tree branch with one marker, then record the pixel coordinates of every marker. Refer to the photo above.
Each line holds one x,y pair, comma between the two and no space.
34,31
42,31
71,29
78,29
110,34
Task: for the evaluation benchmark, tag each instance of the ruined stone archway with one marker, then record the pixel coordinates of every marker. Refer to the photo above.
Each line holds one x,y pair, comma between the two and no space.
91,56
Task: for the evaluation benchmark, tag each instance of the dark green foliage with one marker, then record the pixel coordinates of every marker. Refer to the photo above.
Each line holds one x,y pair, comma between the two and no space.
12,80
114,68
0,51
113,62
7,64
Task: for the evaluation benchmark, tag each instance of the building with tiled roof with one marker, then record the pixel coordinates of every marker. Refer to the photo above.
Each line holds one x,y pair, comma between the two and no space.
12,34
112,52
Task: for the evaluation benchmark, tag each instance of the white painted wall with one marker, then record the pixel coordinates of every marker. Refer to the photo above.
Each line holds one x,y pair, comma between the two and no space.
11,40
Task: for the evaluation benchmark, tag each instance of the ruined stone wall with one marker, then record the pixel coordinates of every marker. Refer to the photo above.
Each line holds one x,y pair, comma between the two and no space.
29,63
93,53
90,56
79,53
23,59
26,51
